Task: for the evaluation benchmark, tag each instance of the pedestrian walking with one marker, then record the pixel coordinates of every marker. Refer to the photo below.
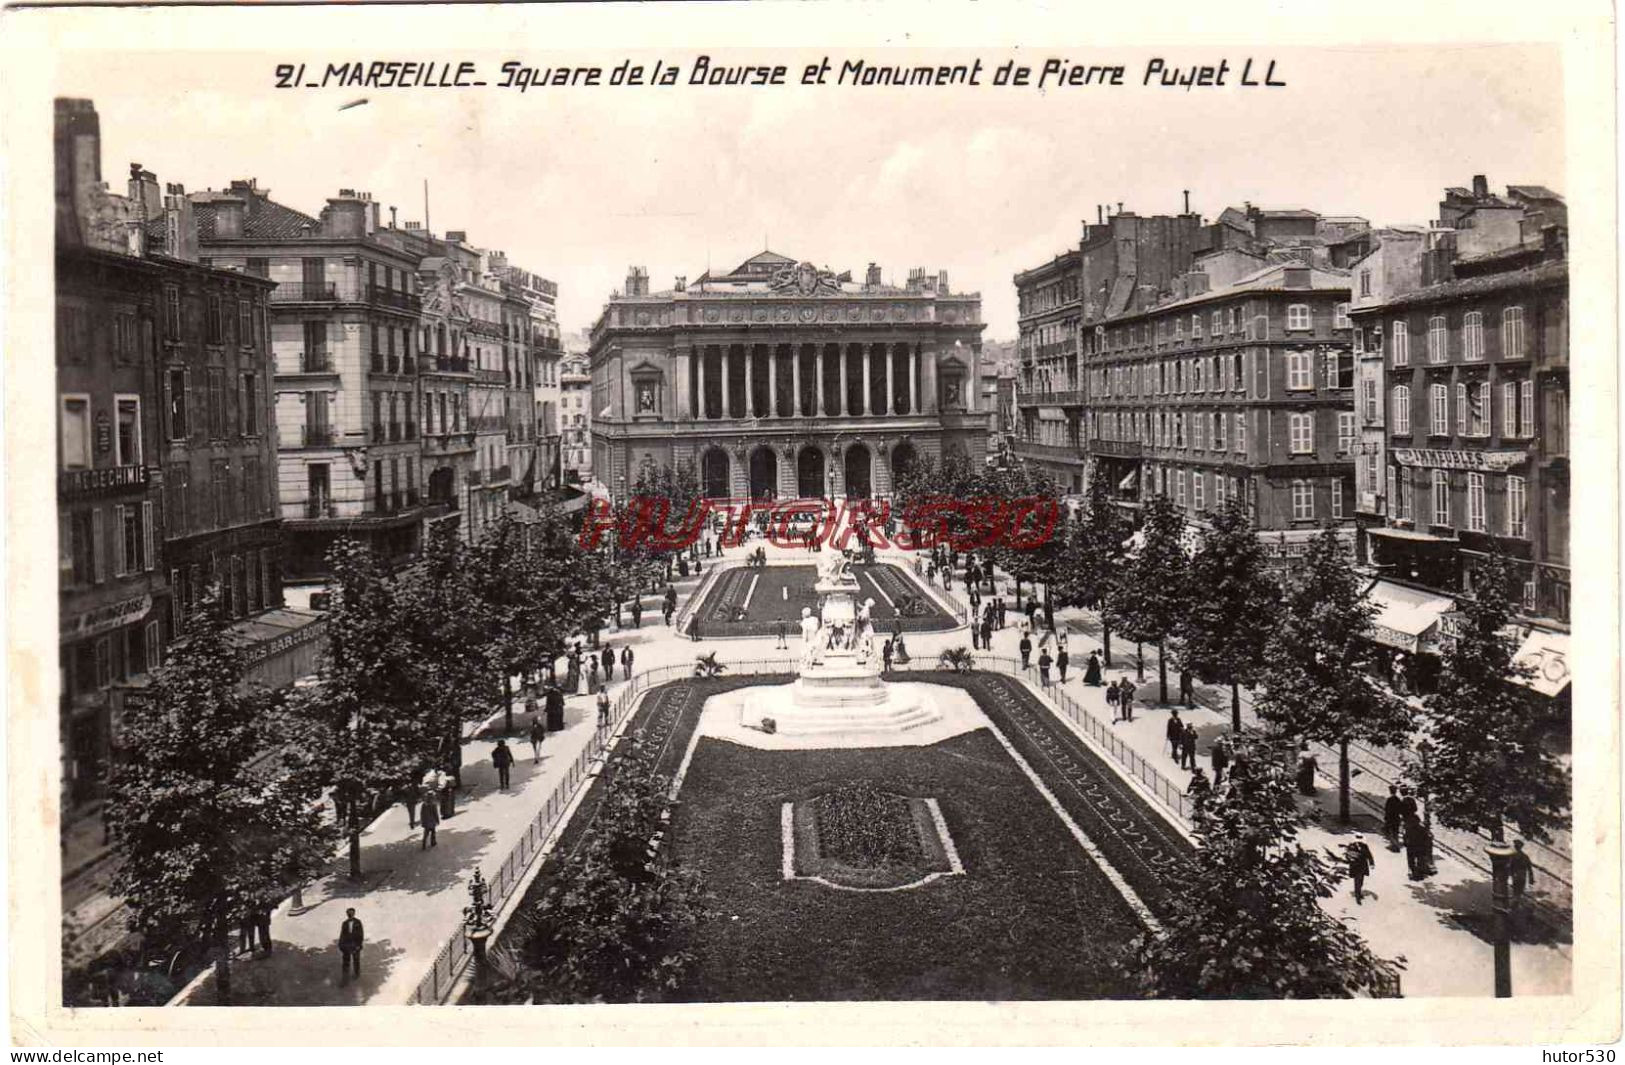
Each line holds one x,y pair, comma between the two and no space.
1416,847
1199,789
627,658
1306,771
429,820
608,658
1125,703
603,709
886,654
502,758
262,923
554,704
1176,735
1522,871
1091,671
1220,758
351,937
245,932
1360,864
780,631
1026,649
538,733
637,613
1044,662
1111,701
1189,749
1407,806
1061,660
1392,818
593,684
1001,612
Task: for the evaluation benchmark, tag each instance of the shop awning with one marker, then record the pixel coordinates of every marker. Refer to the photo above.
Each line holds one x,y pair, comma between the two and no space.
1407,618
1547,653
1409,534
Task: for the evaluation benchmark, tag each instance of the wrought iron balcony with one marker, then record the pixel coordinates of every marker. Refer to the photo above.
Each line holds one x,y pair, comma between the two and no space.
317,436
304,292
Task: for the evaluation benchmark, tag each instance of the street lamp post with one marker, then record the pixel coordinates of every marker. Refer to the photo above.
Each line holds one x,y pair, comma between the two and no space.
477,921
1500,854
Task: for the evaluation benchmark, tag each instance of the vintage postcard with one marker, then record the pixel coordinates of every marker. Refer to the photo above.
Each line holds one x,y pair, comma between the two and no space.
819,523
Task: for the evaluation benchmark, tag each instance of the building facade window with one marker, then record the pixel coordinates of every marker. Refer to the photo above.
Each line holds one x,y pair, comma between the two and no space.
1345,432
1517,504
1198,490
1509,408
1400,346
1478,409
1241,432
1297,317
127,438
1439,410
1300,370
1475,502
1526,408
1340,314
1336,485
1437,336
1303,501
1402,410
1472,336
1441,497
76,444
1301,433
1512,333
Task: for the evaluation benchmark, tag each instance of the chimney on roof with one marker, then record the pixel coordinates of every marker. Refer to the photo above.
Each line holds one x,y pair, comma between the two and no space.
1187,201
871,276
143,189
1481,187
228,217
942,282
392,217
1100,215
1119,206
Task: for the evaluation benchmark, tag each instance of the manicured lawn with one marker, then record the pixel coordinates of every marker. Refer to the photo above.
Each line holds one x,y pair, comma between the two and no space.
1032,918
781,592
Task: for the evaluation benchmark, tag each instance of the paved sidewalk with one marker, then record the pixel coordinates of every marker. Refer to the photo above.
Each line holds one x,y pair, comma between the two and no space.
1439,925
411,900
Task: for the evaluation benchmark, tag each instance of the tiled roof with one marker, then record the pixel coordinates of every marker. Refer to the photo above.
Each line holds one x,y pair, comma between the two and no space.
1271,278
1548,273
1533,192
263,219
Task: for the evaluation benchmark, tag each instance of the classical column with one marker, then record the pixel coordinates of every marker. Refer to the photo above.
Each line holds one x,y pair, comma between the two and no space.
842,403
704,412
683,374
818,379
928,380
891,398
750,380
727,373
868,393
914,380
772,381
795,381
975,378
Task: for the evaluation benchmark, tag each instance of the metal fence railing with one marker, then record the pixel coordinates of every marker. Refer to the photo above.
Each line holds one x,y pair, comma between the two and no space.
449,963
1170,795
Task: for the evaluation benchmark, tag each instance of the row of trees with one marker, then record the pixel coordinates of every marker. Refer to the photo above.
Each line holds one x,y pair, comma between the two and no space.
214,807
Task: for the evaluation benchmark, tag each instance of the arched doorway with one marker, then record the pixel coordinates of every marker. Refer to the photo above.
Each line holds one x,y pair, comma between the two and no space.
904,461
858,466
714,473
810,473
764,474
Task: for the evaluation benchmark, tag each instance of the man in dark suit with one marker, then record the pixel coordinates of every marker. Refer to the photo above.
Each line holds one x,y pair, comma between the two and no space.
1360,863
351,936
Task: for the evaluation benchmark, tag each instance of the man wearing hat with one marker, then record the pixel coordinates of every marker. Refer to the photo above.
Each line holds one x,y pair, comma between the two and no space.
1361,863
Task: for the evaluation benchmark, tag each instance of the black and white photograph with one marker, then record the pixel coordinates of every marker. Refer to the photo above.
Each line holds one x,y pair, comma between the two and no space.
993,516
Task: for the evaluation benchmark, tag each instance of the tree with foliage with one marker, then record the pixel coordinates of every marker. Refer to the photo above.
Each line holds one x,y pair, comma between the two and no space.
1482,762
1243,918
617,918
204,826
376,709
1316,682
1093,556
1225,629
919,496
1147,598
1034,564
669,503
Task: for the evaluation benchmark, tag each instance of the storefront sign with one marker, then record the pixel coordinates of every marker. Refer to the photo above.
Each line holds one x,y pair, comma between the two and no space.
1296,545
105,618
1491,461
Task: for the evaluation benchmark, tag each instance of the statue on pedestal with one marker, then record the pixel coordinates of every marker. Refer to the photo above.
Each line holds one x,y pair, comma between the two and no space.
809,638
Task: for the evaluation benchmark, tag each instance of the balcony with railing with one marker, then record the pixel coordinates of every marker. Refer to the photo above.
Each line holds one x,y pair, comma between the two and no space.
388,297
447,364
1034,449
1067,397
317,436
446,443
1131,449
305,292
319,507
319,360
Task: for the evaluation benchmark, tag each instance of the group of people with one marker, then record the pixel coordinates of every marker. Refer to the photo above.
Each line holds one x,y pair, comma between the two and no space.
594,682
1181,736
1403,827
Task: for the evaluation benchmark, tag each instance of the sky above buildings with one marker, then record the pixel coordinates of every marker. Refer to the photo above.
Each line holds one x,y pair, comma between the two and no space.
580,183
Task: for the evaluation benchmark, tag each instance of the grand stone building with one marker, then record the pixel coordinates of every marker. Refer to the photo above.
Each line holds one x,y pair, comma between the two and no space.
780,380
